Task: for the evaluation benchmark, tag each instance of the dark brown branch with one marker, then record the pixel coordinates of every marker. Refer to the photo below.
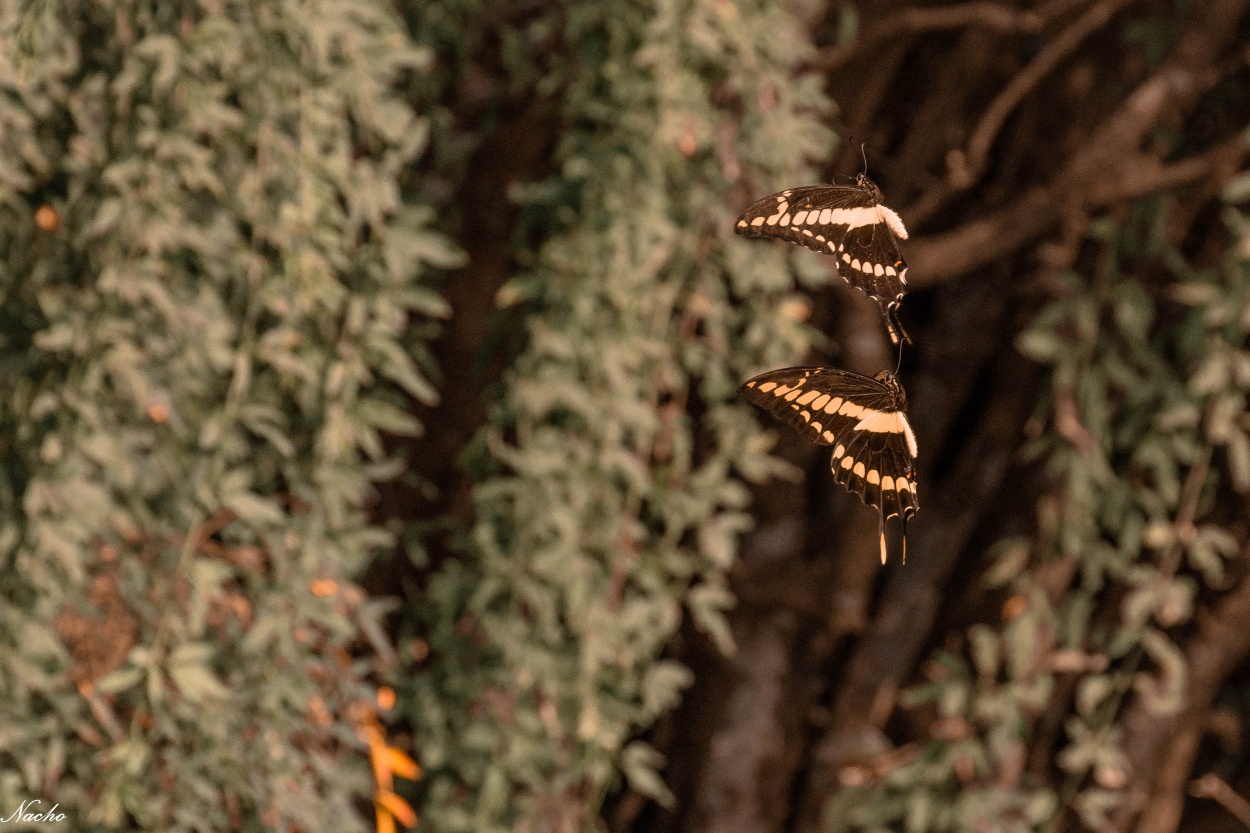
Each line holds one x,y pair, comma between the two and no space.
1221,643
992,16
754,743
938,258
966,167
1147,174
1173,90
1215,787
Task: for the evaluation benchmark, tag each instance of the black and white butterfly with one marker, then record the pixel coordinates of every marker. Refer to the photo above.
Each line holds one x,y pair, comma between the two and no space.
845,221
864,419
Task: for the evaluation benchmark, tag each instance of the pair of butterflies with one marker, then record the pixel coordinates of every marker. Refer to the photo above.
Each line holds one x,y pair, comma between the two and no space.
864,419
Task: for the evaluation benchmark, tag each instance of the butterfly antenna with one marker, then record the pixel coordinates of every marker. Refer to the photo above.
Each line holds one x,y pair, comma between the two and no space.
850,139
864,154
899,361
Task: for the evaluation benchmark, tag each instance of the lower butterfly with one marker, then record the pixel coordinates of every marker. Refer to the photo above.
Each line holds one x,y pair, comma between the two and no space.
863,418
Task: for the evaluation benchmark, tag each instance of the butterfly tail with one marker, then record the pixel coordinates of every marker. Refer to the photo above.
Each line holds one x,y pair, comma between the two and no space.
881,532
898,335
904,539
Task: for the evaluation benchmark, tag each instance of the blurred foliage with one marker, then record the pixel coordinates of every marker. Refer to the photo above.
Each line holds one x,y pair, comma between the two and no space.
223,227
604,509
1146,450
208,277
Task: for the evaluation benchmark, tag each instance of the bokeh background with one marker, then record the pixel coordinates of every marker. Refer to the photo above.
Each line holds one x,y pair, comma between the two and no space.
370,454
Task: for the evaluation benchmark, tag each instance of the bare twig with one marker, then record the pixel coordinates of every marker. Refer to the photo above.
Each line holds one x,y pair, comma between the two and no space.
992,16
1213,786
937,258
965,167
1174,89
1144,174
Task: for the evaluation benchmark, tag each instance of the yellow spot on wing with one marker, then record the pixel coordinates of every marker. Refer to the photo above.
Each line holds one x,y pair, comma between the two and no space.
847,462
859,469
767,386
874,477
809,396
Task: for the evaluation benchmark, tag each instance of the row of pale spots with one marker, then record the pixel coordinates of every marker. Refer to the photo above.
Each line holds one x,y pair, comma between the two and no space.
865,419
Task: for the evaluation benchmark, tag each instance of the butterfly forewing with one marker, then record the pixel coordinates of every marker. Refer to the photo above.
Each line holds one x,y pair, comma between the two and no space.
847,222
862,418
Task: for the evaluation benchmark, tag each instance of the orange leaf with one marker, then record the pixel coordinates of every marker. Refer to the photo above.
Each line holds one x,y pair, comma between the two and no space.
381,768
323,587
386,822
399,808
400,764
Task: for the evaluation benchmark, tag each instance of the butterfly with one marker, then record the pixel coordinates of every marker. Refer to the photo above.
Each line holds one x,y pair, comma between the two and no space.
848,222
863,418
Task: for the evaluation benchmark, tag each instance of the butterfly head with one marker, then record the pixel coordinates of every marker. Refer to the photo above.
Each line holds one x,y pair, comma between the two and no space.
862,181
888,379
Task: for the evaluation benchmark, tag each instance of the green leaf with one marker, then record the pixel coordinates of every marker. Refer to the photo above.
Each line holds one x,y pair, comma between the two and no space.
641,763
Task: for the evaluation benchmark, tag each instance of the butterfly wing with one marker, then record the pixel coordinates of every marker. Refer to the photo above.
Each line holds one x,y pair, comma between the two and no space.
878,468
846,222
869,259
874,447
788,215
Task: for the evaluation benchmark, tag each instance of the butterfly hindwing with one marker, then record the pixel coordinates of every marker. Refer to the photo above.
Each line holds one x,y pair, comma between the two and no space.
864,419
847,222
879,470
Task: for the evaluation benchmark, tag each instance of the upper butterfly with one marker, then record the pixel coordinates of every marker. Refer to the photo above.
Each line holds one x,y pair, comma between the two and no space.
848,222
865,419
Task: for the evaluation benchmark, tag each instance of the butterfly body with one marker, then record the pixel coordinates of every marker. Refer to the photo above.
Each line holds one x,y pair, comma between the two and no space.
863,418
847,222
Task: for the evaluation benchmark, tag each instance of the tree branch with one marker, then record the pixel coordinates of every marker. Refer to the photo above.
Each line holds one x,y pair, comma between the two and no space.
1174,89
1220,645
1213,786
888,651
992,16
966,167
